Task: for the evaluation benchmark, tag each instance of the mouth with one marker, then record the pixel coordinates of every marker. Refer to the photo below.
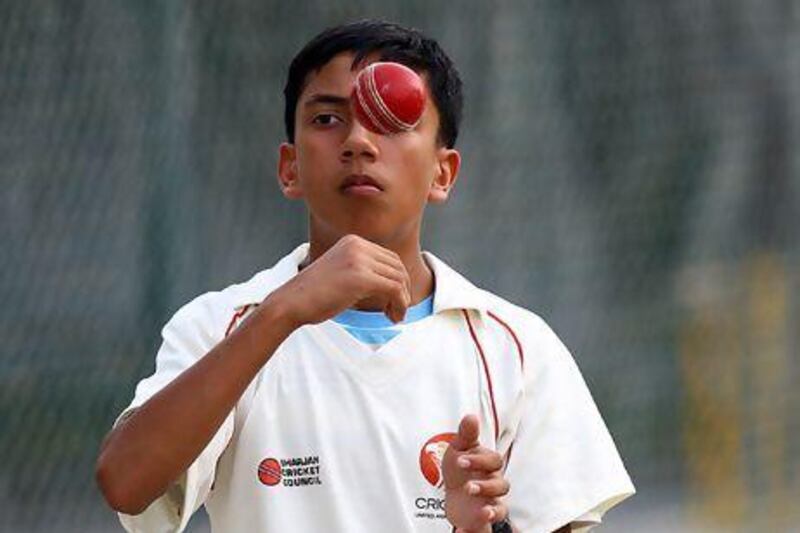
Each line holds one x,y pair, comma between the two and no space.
360,185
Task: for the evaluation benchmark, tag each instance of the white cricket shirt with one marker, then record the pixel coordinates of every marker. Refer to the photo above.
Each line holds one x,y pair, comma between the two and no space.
333,435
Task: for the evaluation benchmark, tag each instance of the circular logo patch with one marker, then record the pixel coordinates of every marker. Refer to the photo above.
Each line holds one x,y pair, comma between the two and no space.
431,456
269,472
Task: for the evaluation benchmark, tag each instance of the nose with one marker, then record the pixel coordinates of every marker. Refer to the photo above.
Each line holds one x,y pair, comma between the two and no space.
360,142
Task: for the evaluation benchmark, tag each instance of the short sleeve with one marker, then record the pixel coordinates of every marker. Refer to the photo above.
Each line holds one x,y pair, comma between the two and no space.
187,337
564,465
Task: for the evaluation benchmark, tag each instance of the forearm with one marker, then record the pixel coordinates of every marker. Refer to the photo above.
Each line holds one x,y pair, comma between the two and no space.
149,449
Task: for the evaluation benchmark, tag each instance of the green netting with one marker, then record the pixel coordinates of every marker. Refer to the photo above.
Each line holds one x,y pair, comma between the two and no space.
630,172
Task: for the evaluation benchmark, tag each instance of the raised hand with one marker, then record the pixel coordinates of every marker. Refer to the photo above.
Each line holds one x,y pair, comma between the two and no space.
473,481
352,270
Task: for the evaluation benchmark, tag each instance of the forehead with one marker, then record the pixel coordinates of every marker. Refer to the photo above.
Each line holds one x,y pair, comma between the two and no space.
335,77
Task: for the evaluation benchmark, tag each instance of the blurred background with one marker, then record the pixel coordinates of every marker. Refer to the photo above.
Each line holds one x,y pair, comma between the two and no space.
631,172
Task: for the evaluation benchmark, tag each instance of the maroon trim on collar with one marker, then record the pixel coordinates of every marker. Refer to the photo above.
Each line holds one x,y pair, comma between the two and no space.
514,336
486,371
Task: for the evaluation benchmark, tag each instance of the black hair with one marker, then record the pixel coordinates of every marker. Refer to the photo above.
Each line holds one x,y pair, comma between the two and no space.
390,42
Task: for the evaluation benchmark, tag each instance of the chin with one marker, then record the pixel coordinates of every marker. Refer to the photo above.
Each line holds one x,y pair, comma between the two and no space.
378,237
377,233
367,224
375,228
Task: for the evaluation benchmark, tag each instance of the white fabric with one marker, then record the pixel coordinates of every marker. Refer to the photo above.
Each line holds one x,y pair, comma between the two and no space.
357,426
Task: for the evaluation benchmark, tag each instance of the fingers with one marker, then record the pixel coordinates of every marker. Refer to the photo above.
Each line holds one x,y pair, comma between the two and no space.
496,512
494,487
388,264
389,258
393,261
493,512
468,433
394,291
401,277
353,271
488,461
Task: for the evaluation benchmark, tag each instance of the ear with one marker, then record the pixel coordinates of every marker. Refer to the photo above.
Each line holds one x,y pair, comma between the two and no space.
448,162
287,172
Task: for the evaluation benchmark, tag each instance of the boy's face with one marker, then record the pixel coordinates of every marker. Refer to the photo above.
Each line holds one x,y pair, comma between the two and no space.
356,181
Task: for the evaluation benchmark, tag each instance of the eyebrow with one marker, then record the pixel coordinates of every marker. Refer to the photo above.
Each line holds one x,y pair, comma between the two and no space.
327,99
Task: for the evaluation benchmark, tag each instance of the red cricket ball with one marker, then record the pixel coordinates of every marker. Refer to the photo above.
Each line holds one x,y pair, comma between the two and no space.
388,98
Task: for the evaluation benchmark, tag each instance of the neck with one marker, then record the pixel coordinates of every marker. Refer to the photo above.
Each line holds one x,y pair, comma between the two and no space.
422,281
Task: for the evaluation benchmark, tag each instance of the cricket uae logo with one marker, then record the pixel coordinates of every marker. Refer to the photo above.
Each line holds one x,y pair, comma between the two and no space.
431,456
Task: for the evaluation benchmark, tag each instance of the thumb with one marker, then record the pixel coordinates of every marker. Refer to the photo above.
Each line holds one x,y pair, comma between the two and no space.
467,436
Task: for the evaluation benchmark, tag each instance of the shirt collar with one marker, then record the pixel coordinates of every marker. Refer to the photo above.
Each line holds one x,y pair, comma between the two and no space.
253,291
453,291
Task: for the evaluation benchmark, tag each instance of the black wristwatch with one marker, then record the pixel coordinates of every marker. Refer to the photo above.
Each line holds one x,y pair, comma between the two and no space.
502,527
498,527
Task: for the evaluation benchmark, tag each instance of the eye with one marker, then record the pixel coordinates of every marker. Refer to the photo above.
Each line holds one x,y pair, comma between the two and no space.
325,119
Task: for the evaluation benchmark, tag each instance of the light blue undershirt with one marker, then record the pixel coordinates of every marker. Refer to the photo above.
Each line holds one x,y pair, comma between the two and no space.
375,328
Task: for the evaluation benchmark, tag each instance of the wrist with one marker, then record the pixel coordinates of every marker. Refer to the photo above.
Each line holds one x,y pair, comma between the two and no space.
277,312
289,304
